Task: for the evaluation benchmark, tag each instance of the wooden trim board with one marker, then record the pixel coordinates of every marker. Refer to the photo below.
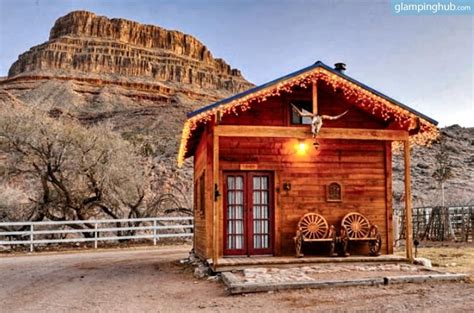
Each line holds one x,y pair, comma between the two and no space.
304,132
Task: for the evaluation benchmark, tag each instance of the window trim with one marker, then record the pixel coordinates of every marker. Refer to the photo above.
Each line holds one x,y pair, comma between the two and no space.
329,196
290,112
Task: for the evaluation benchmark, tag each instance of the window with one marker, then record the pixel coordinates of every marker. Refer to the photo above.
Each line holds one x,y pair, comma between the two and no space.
334,192
200,190
304,106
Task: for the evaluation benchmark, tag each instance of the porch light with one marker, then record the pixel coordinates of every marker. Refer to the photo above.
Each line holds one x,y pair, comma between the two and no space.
301,147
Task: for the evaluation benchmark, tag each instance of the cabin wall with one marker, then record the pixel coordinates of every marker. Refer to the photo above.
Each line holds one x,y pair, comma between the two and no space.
363,168
276,111
200,214
359,166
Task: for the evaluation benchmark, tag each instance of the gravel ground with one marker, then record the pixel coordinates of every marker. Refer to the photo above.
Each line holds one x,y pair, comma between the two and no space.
152,280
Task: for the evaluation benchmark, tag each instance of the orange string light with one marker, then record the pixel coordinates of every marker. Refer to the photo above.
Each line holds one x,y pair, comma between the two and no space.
362,98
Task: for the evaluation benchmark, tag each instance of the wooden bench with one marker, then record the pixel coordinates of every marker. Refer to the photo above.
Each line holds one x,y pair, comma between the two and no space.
314,228
356,227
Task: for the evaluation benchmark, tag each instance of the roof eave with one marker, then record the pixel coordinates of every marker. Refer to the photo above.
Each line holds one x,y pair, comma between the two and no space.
296,73
378,93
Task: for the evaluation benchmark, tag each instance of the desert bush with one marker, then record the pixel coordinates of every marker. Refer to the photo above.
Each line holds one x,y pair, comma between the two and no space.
79,172
71,172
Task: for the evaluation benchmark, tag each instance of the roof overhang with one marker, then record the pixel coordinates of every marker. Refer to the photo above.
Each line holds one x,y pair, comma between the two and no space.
367,98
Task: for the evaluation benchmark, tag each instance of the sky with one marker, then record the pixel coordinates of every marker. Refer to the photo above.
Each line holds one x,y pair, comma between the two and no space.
425,62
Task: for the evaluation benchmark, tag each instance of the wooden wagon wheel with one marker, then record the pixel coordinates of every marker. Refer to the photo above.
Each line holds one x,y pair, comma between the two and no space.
357,225
313,226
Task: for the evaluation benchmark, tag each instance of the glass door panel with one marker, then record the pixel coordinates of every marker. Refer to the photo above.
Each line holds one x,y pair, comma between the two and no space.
261,214
248,218
235,215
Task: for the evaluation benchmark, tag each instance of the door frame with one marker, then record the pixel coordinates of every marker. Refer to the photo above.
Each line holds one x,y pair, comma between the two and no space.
248,249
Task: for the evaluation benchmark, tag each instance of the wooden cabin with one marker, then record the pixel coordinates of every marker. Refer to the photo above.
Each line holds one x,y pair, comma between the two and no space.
258,167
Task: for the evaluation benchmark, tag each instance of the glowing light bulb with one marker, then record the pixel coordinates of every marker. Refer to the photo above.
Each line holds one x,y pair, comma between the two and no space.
301,148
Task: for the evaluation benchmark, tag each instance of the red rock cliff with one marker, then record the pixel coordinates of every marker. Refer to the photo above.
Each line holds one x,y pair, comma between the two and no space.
85,43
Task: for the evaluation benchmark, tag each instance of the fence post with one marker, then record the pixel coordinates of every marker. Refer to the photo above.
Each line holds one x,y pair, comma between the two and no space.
95,236
154,232
396,225
31,237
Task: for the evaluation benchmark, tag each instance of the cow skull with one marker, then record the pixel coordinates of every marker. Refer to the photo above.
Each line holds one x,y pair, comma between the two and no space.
316,120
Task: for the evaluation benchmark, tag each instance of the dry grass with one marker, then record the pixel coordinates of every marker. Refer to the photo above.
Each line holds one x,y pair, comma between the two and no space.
450,257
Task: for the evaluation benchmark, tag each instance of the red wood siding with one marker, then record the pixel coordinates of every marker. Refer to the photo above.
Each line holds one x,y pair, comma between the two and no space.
358,166
276,111
200,163
363,168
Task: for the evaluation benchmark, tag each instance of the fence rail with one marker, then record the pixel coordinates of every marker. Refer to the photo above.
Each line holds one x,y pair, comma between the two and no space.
56,232
435,222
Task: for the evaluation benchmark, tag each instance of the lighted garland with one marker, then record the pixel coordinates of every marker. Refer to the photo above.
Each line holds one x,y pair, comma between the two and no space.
363,98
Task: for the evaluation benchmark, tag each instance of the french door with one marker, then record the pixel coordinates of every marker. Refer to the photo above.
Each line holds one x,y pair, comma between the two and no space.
248,213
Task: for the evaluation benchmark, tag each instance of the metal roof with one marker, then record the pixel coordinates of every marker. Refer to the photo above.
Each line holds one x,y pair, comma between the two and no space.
299,72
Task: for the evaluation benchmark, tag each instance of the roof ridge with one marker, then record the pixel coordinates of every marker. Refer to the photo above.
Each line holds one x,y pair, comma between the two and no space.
301,71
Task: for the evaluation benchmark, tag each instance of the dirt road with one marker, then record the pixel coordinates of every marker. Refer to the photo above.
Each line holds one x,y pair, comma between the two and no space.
151,280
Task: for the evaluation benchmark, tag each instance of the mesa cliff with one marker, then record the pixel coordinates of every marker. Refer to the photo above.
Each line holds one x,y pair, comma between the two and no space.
84,43
140,78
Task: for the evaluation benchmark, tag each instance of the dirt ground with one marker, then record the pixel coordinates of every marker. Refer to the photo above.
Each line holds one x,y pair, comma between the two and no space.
153,280
457,257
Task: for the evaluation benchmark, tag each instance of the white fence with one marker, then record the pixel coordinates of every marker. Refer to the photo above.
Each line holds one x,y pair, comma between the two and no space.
47,232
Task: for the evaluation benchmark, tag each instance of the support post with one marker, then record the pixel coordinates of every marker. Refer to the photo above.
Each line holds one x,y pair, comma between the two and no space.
315,97
95,235
154,232
408,204
31,238
215,200
388,197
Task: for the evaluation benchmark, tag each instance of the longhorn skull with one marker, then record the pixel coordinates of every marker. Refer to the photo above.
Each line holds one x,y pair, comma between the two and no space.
316,120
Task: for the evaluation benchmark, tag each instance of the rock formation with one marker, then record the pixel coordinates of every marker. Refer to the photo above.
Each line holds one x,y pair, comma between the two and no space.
141,78
91,45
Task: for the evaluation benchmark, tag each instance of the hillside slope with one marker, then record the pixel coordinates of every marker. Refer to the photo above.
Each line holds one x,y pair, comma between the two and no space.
459,189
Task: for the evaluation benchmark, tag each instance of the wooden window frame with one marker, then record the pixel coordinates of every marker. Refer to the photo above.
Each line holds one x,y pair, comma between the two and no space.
328,195
290,119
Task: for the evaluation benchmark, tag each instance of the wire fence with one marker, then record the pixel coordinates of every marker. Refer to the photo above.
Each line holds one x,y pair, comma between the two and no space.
438,223
36,234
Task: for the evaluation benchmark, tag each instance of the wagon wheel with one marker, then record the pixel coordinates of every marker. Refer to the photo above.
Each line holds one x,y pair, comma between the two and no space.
313,226
357,225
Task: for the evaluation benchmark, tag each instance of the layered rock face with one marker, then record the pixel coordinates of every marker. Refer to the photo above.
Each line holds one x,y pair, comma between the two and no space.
83,42
141,78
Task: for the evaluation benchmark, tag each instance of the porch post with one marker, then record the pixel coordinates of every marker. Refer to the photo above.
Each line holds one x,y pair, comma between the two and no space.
315,97
408,204
215,202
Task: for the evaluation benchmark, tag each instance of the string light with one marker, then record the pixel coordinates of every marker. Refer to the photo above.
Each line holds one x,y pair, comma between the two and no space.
361,97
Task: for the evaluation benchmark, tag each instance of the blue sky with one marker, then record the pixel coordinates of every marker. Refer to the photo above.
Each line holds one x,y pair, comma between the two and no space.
425,62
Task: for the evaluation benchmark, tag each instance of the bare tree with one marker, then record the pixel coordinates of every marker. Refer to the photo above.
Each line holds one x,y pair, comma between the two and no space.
439,225
443,167
72,172
57,169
